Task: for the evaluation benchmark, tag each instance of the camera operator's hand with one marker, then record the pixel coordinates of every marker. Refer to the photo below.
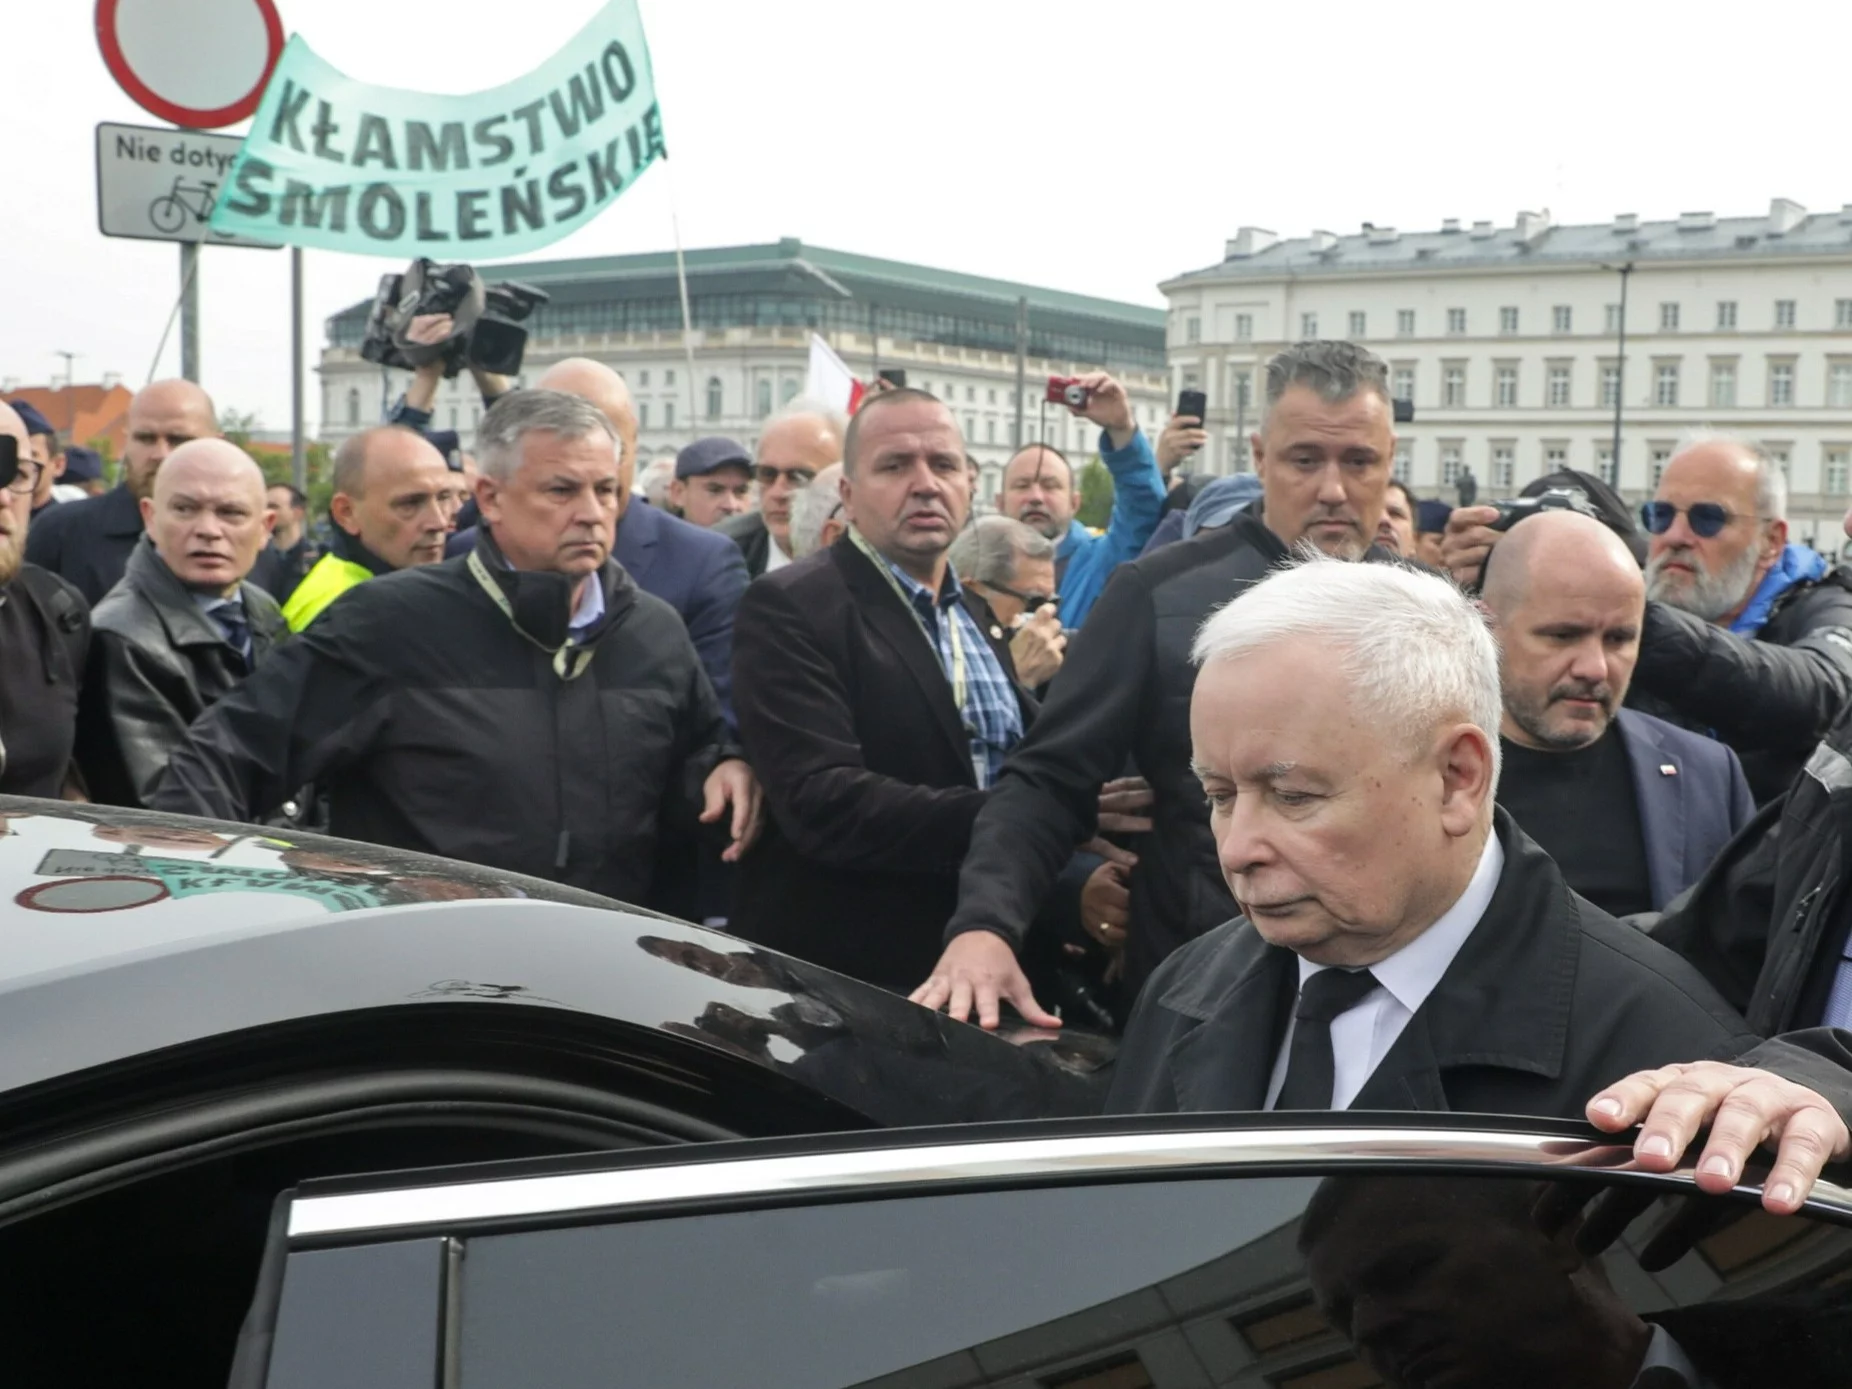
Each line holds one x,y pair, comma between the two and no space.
428,330
1038,647
492,385
1466,542
1183,436
1109,407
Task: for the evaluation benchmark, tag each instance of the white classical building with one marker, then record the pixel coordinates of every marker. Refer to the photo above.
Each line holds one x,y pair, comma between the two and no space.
754,308
1507,340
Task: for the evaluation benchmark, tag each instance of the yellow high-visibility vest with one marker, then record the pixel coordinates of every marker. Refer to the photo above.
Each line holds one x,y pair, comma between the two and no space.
328,580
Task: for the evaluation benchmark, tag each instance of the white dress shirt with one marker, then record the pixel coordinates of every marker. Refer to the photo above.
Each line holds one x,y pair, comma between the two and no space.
588,609
1361,1038
775,556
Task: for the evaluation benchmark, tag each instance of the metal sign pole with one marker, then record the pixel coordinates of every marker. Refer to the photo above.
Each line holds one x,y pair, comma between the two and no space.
298,453
189,310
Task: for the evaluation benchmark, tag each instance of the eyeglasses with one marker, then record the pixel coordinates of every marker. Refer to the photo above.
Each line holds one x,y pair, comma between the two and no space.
768,476
1706,519
27,476
1034,602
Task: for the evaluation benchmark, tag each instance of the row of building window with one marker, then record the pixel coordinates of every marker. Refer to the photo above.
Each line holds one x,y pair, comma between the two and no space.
1501,474
1666,379
1562,320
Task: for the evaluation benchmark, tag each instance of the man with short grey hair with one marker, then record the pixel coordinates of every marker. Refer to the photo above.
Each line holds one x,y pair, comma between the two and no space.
526,706
1012,568
1324,453
1344,734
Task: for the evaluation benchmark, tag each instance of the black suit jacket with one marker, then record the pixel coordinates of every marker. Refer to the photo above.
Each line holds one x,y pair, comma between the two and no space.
88,543
1549,1000
848,719
749,533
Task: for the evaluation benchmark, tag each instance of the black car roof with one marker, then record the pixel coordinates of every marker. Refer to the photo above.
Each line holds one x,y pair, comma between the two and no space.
123,933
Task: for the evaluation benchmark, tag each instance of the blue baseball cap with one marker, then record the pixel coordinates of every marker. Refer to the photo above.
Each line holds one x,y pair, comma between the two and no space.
1431,517
704,455
29,416
82,464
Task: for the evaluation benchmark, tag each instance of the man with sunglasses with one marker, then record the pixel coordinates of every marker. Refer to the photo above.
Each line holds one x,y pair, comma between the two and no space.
1748,635
798,443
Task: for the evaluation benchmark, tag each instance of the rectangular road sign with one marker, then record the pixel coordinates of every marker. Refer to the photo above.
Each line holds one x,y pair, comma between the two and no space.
159,184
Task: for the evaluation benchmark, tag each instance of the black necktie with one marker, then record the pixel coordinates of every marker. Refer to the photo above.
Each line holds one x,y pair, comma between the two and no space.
230,617
1311,1070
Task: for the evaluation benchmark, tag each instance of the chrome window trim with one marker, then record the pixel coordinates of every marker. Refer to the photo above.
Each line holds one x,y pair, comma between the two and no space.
1079,1156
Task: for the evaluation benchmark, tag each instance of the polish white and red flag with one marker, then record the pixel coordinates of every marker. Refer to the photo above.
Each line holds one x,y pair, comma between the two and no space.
831,382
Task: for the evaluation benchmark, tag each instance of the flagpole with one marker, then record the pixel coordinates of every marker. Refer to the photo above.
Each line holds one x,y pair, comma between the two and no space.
681,280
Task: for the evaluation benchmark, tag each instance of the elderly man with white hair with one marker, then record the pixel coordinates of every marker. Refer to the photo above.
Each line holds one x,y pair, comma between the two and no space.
1345,732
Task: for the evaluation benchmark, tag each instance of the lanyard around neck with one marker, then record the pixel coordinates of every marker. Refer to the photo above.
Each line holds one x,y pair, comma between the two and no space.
569,662
882,568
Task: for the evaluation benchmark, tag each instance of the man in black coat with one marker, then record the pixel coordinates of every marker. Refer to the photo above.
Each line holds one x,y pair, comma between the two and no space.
526,707
876,700
1770,925
184,626
88,543
44,639
1402,944
1324,455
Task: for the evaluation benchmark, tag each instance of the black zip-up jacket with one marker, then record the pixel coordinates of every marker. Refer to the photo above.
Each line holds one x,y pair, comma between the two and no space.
1768,923
1123,692
44,643
1773,698
156,664
432,722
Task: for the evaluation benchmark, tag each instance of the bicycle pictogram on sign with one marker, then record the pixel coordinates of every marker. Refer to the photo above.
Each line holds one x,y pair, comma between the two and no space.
169,212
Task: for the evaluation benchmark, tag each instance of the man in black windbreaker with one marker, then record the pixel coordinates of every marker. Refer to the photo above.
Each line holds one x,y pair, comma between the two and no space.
525,707
1324,455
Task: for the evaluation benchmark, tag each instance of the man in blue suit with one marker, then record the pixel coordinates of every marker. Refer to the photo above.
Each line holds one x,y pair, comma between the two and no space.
1633,809
697,572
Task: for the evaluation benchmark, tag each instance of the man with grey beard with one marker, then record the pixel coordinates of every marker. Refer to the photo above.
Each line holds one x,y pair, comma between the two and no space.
1748,637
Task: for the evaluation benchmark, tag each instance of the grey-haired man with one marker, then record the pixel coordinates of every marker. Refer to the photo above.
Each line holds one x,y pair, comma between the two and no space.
525,706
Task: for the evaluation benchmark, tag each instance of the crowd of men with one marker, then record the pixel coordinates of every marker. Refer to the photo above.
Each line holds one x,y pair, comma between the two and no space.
1261,772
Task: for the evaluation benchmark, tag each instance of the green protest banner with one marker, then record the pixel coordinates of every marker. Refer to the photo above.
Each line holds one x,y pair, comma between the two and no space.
347,166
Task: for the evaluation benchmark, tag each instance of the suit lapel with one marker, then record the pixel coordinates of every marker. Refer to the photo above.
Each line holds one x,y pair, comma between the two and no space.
1661,800
889,618
1225,1063
1409,1076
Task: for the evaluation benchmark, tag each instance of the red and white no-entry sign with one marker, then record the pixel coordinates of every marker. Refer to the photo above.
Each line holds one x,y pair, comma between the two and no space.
197,63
